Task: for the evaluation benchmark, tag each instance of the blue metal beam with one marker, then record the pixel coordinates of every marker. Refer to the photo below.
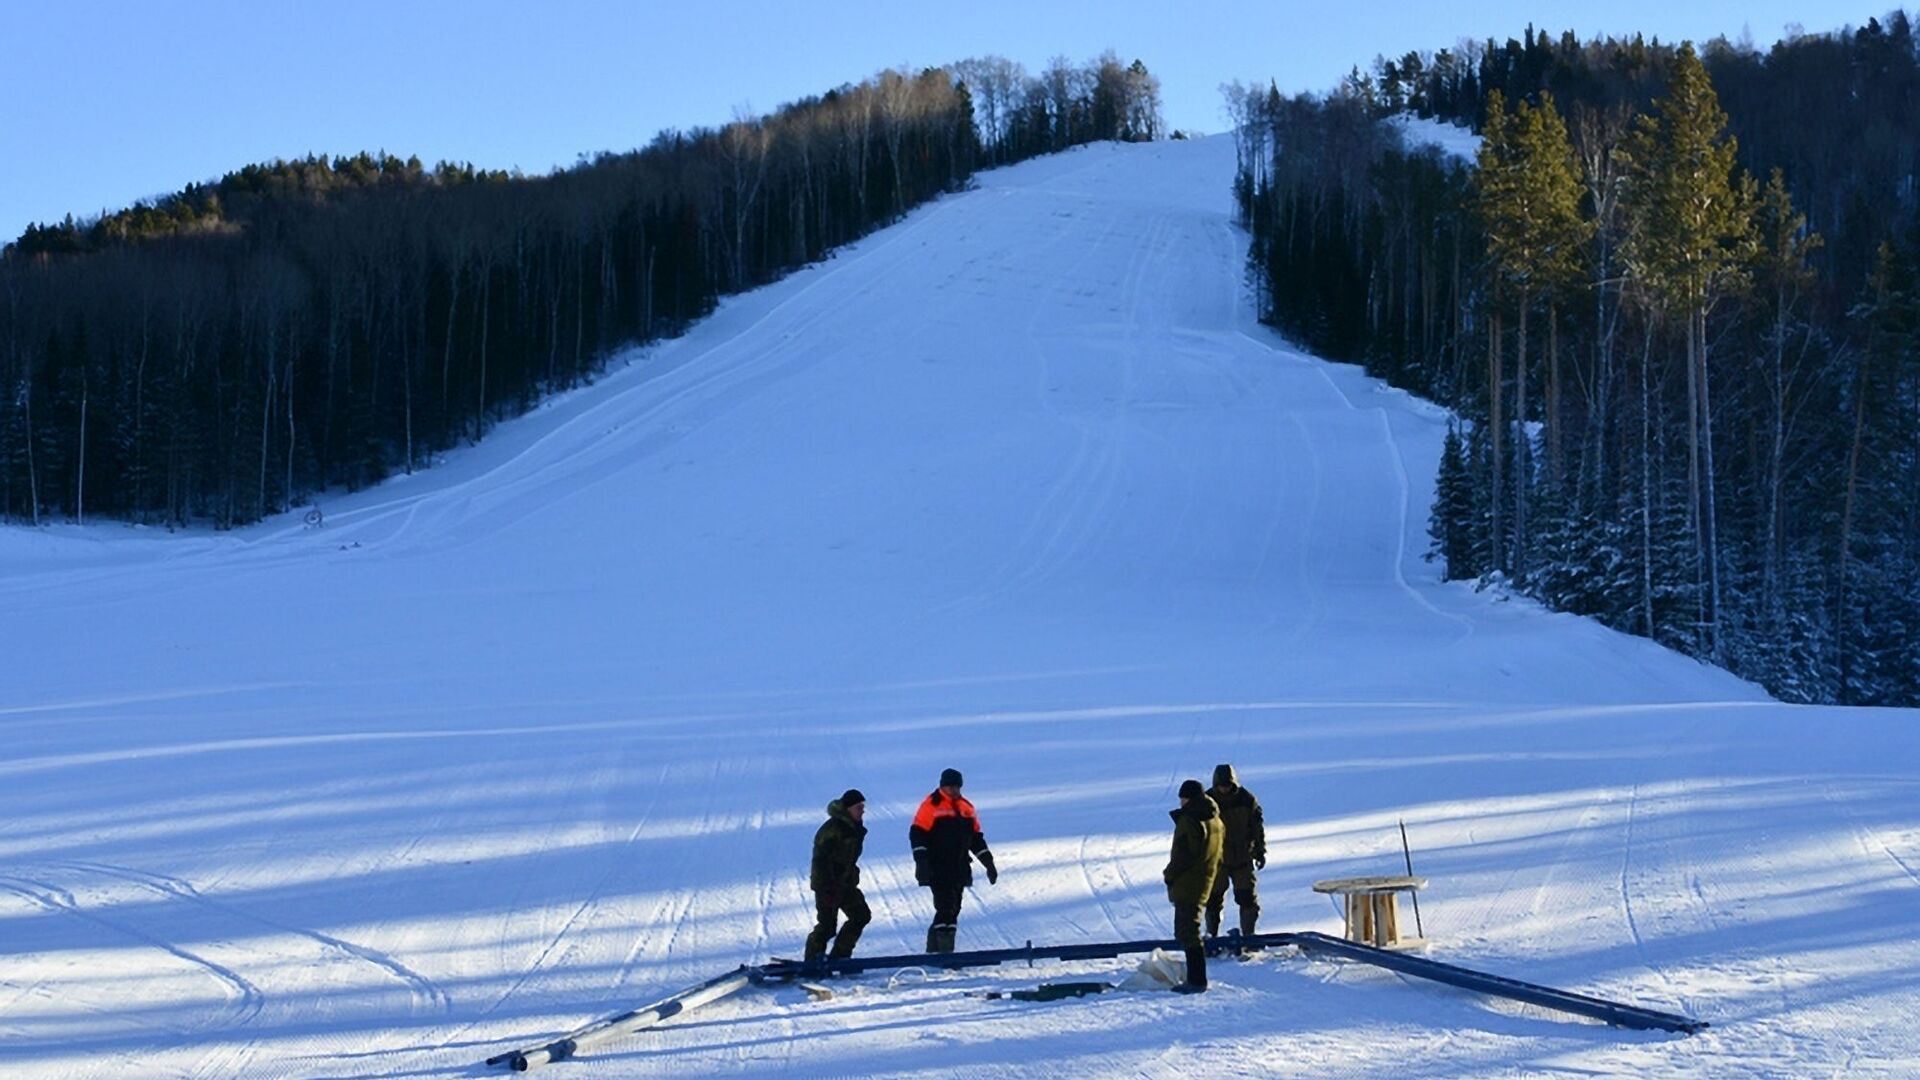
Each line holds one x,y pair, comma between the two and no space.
791,969
1613,1012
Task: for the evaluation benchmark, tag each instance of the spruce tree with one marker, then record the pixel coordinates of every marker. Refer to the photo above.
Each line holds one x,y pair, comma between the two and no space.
1876,561
1452,523
1783,277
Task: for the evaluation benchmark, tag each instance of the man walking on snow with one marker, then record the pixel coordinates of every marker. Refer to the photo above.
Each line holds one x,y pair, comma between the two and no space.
946,838
1243,852
835,877
1197,838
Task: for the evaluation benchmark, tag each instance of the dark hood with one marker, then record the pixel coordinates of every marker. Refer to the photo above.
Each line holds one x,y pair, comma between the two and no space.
838,811
1201,809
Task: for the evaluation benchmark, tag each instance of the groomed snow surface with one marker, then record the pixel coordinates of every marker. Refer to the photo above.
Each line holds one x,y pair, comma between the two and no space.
1451,140
1020,487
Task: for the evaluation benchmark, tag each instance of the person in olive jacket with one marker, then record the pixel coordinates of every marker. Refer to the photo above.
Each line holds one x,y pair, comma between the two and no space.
1197,839
946,838
1244,852
836,877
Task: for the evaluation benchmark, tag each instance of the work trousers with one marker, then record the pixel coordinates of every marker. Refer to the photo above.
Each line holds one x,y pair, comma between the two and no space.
946,917
1186,924
829,906
1245,894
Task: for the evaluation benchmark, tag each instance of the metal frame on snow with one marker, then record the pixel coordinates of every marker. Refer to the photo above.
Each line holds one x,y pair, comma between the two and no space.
570,1045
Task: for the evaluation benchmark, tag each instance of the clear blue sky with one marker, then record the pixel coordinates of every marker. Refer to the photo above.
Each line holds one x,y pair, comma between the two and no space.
104,103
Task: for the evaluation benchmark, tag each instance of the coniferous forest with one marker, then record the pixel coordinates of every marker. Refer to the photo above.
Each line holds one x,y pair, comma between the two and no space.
1674,304
225,352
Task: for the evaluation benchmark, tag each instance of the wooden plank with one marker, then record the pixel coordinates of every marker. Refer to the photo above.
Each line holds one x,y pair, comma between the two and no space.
1369,884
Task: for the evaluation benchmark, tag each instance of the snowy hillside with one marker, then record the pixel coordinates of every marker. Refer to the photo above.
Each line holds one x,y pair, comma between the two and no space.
1450,139
1016,486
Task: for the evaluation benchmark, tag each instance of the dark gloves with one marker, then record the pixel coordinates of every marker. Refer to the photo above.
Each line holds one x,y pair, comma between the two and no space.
1259,860
993,874
920,874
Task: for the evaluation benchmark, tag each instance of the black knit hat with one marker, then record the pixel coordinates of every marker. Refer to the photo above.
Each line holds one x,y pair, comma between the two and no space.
852,798
950,778
1192,790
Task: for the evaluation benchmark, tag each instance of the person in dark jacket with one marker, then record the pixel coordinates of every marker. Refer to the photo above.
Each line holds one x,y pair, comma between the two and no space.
1243,853
946,838
835,877
1197,839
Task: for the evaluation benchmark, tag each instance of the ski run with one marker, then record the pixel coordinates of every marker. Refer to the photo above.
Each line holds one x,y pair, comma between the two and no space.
1018,486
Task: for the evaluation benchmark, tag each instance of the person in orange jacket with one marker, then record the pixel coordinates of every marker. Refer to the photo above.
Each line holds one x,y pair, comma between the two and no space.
946,838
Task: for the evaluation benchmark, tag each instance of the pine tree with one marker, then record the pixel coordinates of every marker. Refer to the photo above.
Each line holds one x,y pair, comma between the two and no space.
1530,194
1689,245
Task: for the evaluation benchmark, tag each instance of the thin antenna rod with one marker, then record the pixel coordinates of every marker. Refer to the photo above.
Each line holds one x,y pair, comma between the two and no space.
1415,893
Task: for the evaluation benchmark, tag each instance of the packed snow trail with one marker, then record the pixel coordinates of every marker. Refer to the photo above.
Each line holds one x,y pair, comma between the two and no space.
1018,486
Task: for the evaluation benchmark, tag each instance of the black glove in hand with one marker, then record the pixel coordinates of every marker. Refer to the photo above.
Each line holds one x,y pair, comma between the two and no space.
1260,861
993,873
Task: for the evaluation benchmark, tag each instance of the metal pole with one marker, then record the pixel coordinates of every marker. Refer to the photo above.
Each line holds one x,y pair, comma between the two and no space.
626,1023
720,986
1613,1012
1415,893
790,969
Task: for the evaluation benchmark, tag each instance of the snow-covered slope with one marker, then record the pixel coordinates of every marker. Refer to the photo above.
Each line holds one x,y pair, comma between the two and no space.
1450,139
1017,486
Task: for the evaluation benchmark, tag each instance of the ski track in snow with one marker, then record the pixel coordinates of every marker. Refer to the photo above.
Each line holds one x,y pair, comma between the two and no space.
427,995
1017,485
244,999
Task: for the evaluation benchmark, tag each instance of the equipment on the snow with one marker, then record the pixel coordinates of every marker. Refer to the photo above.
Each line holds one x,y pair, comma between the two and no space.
1372,912
628,1022
1317,944
1050,991
1161,970
1418,927
1612,1012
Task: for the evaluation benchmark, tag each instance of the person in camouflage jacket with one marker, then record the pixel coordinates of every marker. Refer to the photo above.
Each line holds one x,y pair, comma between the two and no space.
1243,853
835,878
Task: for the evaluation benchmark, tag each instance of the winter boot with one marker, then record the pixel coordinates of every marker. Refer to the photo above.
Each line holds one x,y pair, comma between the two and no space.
943,938
933,939
1196,972
1213,922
